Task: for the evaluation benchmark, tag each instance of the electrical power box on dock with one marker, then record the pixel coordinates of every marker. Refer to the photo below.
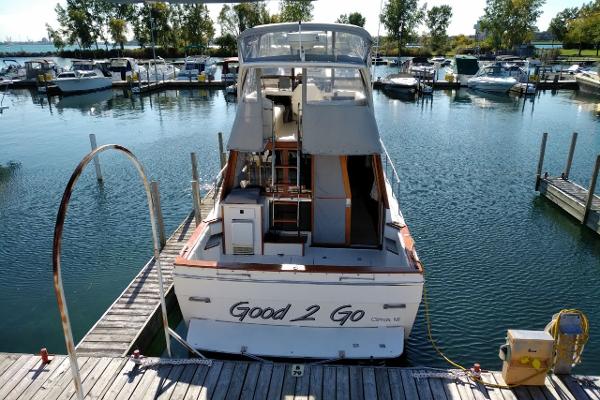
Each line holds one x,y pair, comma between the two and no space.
527,356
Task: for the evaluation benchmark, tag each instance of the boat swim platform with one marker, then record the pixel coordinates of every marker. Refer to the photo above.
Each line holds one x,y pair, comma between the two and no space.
578,202
135,317
26,377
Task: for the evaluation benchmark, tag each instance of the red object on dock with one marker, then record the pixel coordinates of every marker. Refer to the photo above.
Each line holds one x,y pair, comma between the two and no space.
44,355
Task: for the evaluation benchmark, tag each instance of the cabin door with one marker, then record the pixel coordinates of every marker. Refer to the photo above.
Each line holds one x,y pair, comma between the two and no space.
331,201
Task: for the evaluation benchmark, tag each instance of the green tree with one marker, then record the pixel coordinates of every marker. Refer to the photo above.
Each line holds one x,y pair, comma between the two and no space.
55,37
354,18
197,26
510,23
117,28
234,20
227,43
559,25
400,18
295,10
437,21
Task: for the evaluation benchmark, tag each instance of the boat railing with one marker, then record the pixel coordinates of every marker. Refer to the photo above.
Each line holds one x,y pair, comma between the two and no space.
215,187
389,165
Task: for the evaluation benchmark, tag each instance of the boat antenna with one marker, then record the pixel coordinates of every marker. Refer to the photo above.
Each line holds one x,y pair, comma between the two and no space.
376,46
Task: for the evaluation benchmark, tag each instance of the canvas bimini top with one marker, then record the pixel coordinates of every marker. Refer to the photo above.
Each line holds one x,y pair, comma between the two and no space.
307,83
305,42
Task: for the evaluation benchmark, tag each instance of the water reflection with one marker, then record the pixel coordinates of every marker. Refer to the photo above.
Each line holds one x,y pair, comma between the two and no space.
89,103
8,170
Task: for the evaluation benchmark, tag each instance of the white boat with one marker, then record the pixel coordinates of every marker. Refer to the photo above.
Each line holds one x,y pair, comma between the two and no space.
588,82
422,68
196,66
492,78
80,81
125,68
12,70
306,253
38,68
159,70
463,68
400,83
230,69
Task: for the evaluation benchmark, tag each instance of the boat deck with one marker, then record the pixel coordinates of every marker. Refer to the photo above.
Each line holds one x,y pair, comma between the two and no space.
571,197
135,316
23,376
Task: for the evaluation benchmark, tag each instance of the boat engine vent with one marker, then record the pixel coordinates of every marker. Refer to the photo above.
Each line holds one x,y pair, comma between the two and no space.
243,250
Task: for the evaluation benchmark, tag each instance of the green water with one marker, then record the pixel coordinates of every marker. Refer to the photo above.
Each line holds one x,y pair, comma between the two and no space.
497,256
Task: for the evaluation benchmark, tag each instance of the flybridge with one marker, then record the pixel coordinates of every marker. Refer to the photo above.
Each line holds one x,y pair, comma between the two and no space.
310,42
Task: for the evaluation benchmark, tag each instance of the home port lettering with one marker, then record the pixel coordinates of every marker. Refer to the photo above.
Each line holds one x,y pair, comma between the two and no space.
342,314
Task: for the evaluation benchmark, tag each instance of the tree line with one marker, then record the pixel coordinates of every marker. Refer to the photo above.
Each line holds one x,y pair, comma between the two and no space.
578,26
90,24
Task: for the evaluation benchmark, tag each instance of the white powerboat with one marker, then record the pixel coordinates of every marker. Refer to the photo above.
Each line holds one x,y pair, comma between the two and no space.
492,78
12,70
305,253
125,68
81,81
422,68
230,69
400,84
159,70
463,68
195,66
588,82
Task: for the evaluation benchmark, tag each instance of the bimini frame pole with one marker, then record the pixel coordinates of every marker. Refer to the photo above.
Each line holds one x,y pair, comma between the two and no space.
56,250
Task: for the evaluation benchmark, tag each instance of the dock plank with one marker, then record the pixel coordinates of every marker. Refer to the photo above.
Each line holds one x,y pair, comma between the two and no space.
112,378
264,379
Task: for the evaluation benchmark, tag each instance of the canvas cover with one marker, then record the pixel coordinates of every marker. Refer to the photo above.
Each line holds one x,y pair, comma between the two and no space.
339,130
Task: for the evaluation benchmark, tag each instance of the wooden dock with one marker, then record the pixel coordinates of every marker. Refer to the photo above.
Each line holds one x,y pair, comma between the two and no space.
24,376
135,316
580,203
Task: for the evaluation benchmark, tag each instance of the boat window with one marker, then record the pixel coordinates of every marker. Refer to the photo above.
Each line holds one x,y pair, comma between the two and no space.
250,87
315,45
335,85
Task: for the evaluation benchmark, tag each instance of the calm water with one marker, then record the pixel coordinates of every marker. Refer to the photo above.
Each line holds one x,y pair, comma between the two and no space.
497,256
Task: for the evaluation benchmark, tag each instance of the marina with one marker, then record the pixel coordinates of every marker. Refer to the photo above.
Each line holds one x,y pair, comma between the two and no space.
296,274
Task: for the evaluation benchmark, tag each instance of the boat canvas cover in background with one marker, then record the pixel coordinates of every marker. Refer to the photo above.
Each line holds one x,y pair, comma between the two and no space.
329,223
339,130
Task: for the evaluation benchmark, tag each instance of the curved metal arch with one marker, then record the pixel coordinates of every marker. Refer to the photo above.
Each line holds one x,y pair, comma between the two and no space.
56,251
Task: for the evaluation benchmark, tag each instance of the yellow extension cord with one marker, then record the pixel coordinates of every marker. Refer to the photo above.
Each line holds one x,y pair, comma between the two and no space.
580,343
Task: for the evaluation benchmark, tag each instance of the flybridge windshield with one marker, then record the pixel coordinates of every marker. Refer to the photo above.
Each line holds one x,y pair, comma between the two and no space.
300,45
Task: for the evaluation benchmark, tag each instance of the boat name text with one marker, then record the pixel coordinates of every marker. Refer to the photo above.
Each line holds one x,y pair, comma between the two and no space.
341,314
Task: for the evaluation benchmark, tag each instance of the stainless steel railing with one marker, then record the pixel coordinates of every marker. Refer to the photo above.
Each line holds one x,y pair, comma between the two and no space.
389,165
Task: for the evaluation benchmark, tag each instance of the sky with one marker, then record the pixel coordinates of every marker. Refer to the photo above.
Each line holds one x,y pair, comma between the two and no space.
25,20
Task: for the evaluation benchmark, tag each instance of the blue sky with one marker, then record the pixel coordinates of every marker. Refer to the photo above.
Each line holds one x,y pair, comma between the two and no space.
22,20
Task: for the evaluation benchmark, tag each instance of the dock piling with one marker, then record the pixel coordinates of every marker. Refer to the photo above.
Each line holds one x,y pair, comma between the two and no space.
96,159
195,177
540,165
570,157
196,200
590,194
222,156
158,212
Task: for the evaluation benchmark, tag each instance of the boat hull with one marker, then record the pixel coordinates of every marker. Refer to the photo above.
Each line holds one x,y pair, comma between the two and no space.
82,85
492,85
315,302
587,84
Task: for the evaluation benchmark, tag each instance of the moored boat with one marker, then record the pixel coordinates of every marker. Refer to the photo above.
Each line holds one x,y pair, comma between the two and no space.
463,68
81,81
588,82
400,84
125,68
306,253
196,66
492,78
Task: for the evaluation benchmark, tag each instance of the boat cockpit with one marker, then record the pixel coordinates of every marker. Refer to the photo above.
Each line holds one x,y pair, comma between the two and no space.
304,177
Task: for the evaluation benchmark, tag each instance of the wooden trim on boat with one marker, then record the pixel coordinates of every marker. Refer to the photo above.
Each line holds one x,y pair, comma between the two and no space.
348,192
229,174
339,269
380,180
